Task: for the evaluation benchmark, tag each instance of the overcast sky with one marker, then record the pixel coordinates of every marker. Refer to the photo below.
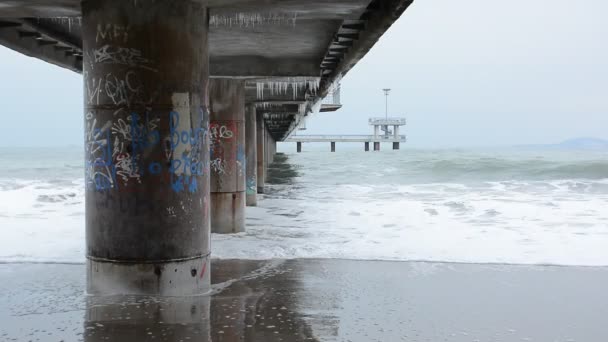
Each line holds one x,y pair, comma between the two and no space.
464,73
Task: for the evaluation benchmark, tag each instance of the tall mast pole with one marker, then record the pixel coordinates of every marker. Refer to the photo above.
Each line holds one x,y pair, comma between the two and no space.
386,92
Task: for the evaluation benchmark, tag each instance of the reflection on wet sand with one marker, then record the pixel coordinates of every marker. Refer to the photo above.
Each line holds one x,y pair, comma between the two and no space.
146,319
243,309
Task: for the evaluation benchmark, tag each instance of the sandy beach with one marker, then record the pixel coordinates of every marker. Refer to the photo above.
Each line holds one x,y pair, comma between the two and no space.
317,300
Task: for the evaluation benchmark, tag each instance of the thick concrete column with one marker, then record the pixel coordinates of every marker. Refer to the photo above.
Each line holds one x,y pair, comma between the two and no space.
272,145
268,152
376,146
261,138
299,146
333,146
146,147
227,134
367,146
251,156
396,131
376,131
395,145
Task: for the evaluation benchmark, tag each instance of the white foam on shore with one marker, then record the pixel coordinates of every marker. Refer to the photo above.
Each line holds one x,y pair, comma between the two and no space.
434,222
558,222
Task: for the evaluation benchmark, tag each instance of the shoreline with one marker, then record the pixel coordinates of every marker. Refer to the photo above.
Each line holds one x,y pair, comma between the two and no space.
317,300
51,262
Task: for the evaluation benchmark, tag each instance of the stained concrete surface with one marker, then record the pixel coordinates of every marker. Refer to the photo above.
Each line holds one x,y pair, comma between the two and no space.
317,300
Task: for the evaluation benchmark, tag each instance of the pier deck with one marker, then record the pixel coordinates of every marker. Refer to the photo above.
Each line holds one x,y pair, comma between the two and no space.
346,138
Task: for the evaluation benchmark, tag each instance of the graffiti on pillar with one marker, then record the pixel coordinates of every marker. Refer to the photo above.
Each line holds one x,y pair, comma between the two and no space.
241,163
116,152
251,185
223,136
219,132
110,54
137,140
112,32
100,172
184,152
132,137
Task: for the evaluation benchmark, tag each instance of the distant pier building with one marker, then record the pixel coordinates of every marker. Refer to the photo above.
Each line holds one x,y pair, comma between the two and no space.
385,130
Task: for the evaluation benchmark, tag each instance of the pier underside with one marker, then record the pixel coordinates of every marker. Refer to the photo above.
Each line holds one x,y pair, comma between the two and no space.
289,51
166,84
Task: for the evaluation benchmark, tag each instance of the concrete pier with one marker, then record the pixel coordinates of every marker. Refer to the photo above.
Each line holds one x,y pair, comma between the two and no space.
227,160
333,146
146,120
395,146
367,146
299,146
251,156
376,146
269,151
261,155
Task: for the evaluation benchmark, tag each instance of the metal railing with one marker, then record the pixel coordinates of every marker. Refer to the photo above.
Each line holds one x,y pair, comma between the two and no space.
345,138
387,121
333,97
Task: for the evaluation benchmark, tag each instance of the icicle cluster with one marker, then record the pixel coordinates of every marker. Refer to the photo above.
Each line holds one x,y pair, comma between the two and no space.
252,19
282,86
65,20
266,105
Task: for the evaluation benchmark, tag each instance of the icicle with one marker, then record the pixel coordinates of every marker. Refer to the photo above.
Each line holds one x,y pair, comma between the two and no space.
252,19
260,90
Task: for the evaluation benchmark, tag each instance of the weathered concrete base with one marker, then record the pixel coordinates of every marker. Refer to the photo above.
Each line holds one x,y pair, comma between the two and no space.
376,146
333,146
299,147
395,146
367,147
251,199
173,278
228,215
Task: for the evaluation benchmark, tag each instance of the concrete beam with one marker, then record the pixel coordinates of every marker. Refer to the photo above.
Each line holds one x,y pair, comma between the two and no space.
25,39
262,67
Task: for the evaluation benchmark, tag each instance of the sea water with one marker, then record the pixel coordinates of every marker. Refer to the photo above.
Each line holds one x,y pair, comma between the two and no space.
504,205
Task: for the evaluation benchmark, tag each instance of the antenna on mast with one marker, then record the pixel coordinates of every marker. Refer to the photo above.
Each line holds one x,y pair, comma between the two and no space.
386,93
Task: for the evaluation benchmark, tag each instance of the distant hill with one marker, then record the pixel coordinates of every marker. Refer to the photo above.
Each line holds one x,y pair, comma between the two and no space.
573,144
584,144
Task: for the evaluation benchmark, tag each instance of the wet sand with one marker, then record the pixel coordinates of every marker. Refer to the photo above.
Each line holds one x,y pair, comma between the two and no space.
318,300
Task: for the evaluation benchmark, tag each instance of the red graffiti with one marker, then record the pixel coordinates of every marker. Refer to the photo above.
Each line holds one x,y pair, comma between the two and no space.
204,268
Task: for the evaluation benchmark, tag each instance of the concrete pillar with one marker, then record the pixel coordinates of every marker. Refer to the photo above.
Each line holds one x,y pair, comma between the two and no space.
272,148
251,154
376,146
266,154
333,146
146,121
396,131
376,131
395,145
367,146
268,148
299,146
260,136
227,135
